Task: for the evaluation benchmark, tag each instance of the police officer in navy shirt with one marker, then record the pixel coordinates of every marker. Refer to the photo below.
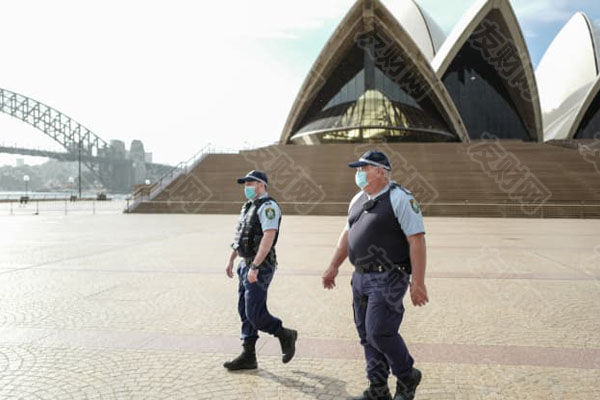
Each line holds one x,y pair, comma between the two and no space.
384,239
255,239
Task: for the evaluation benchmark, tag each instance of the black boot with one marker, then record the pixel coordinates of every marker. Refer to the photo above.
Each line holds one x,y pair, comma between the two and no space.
287,340
246,360
375,391
405,388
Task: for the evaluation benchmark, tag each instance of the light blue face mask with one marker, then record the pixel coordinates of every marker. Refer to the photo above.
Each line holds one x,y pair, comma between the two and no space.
361,179
250,192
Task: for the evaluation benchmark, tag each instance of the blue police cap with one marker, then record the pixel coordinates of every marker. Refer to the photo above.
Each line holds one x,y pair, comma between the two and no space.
254,175
372,157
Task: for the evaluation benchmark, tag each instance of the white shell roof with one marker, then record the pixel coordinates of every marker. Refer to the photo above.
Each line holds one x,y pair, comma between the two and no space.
566,73
413,30
592,93
465,27
423,29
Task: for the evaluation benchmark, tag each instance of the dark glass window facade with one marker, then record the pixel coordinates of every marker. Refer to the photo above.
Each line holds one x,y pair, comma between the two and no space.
482,96
590,124
360,102
350,92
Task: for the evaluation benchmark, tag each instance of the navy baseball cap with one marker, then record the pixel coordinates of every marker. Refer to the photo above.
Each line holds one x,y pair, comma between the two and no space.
254,175
372,157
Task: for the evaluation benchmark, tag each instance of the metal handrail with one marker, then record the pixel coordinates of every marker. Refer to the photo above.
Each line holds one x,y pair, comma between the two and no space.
185,166
182,167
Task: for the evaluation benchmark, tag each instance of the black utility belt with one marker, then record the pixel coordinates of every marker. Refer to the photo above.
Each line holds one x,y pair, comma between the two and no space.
268,261
368,269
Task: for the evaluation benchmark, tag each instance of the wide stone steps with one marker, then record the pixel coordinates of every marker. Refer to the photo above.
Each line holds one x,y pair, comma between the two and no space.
457,179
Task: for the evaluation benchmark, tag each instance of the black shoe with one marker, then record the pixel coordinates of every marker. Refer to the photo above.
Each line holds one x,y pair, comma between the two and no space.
405,388
287,340
246,360
375,392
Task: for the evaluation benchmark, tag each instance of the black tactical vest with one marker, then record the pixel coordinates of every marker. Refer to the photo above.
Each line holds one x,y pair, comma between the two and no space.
249,230
375,236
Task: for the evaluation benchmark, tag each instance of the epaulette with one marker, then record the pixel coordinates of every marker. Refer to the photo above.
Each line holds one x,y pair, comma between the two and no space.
397,185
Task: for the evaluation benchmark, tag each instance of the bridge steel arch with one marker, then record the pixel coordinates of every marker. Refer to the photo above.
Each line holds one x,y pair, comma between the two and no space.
74,137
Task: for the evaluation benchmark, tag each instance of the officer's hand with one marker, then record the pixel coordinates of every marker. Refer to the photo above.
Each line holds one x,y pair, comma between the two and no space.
418,294
229,269
252,275
329,277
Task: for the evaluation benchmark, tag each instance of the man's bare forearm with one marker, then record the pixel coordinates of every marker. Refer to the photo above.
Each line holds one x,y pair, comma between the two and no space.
418,258
264,247
233,256
341,251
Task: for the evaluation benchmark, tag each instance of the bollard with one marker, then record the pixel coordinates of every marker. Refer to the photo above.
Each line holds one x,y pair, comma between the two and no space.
11,209
94,207
37,207
65,206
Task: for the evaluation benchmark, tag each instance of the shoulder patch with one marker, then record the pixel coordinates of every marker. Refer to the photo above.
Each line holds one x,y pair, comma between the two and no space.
416,207
270,212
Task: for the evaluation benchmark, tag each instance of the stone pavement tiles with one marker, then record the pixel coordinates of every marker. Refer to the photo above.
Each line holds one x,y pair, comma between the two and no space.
138,307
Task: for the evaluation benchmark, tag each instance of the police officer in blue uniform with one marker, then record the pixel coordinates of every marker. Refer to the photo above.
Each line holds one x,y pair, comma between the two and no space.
256,235
384,240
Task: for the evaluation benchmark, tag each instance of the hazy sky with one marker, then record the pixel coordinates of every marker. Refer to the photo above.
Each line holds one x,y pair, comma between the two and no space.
181,74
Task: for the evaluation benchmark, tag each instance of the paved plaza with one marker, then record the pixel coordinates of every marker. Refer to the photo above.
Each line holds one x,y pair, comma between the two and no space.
115,306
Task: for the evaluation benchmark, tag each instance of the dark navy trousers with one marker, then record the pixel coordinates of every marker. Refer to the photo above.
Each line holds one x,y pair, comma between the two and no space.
378,312
252,302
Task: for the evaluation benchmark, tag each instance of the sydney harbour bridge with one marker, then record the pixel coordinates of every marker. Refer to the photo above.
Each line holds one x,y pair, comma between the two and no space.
115,168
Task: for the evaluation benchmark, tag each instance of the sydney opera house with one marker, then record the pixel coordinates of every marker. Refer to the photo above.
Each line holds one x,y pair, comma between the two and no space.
389,73
471,128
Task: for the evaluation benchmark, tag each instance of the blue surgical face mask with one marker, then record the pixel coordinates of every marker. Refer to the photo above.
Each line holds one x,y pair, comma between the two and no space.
250,192
361,179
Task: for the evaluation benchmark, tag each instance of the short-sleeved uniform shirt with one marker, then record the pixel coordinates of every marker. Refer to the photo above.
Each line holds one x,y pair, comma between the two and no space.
269,214
405,206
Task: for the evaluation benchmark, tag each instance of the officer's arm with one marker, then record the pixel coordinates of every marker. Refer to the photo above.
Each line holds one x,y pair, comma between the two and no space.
417,257
409,216
418,290
265,245
233,256
341,251
408,212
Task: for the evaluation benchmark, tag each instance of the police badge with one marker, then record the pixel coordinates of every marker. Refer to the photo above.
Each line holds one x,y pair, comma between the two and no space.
415,205
270,213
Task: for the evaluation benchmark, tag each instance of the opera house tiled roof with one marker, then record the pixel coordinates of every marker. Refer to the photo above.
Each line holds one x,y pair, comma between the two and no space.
388,73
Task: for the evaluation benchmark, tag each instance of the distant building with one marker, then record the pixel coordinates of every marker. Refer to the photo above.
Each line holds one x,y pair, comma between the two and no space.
117,147
138,155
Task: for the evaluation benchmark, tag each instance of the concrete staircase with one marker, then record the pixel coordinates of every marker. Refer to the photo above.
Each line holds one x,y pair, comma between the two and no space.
483,178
